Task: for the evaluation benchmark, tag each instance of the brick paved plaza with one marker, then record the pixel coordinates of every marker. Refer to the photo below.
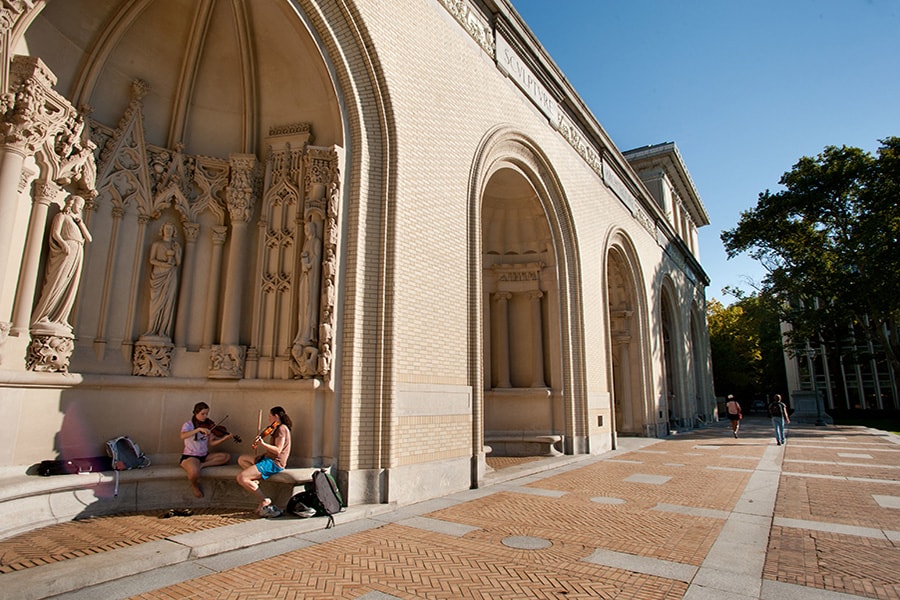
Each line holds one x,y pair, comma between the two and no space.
698,515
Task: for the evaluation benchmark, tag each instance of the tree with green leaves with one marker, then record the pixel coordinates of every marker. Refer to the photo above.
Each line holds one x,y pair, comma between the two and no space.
745,346
829,244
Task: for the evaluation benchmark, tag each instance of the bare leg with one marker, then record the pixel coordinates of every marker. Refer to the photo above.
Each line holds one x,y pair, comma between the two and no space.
216,458
249,480
193,466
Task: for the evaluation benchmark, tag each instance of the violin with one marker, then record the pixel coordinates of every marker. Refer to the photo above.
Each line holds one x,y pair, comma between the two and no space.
219,430
267,431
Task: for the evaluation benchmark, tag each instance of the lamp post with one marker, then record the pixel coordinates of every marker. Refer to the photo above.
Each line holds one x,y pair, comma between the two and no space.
811,355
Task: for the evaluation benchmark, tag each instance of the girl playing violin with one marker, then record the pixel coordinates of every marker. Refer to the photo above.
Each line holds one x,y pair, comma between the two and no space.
273,461
198,439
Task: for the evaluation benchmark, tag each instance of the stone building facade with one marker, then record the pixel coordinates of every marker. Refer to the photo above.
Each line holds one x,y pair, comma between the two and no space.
398,221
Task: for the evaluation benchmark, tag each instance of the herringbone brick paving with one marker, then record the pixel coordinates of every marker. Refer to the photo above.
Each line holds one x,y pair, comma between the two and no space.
100,534
409,563
825,479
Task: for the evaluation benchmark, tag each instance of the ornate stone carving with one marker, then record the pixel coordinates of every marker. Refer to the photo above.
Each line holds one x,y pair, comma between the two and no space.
227,362
480,30
311,349
50,353
240,191
152,358
10,11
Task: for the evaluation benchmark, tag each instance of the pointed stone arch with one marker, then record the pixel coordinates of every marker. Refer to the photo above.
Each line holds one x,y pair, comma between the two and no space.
510,171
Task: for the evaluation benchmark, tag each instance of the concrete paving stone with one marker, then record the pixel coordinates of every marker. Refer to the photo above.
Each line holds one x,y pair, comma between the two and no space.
535,491
414,510
120,589
735,469
438,526
728,582
887,501
775,590
69,575
869,532
320,536
649,479
698,592
641,564
608,500
692,511
236,558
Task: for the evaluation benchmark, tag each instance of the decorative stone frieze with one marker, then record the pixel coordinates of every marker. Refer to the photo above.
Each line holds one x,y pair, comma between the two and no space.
472,21
227,361
152,357
240,194
49,353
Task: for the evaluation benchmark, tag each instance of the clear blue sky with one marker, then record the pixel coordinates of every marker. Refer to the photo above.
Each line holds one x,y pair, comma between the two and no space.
743,88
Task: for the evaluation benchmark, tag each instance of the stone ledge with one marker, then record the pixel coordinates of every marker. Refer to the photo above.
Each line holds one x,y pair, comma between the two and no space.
32,501
517,443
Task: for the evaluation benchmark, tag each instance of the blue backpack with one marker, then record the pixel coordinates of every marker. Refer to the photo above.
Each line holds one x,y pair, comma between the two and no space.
125,454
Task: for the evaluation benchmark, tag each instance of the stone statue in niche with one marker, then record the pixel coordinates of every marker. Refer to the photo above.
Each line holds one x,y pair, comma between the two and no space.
165,257
308,290
68,233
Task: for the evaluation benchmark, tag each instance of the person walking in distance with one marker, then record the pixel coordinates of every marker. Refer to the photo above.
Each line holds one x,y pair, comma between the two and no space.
733,408
780,418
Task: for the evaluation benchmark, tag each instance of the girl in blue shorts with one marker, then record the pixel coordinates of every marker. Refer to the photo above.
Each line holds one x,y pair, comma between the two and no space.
272,461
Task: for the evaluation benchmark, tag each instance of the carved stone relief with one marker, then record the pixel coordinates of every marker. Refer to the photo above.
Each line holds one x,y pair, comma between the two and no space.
312,347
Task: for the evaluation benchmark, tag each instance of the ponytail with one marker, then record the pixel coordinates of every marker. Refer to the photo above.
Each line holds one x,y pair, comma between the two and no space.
282,416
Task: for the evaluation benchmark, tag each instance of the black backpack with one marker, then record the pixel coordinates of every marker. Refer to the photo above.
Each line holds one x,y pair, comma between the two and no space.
775,409
321,495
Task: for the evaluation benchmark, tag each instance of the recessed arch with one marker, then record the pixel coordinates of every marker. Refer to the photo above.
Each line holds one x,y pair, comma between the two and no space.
510,172
629,381
673,403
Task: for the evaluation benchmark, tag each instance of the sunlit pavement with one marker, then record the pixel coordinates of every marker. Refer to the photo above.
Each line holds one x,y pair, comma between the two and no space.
699,515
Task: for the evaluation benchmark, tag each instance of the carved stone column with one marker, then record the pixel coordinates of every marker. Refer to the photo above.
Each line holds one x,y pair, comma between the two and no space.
43,193
500,316
215,278
537,340
240,199
185,324
29,113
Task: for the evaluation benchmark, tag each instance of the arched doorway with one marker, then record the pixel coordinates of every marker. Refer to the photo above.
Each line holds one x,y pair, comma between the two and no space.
629,400
522,244
521,308
672,404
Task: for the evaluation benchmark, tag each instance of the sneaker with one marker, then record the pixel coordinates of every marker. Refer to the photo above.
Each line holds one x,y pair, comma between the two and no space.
270,511
305,512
